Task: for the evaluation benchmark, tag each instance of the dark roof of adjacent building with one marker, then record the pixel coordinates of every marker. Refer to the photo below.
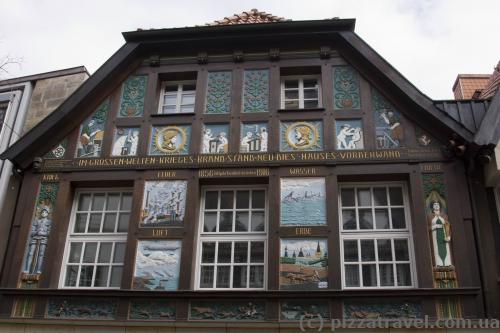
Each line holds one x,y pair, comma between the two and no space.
489,130
250,17
469,113
46,75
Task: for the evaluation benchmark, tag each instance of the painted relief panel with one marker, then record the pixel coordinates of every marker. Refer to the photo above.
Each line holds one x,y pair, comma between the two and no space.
389,131
303,264
380,309
164,203
424,139
58,151
349,133
227,310
81,308
303,201
215,139
40,230
151,309
157,265
133,94
169,140
302,135
304,309
256,90
254,138
92,133
345,88
218,92
126,141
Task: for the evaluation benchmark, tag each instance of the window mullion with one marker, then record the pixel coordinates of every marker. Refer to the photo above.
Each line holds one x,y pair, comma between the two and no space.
301,93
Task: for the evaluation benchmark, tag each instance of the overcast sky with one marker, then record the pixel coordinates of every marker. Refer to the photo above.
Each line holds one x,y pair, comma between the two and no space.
429,42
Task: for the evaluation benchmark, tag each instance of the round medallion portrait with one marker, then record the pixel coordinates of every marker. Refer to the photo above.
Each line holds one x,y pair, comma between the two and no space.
302,135
170,139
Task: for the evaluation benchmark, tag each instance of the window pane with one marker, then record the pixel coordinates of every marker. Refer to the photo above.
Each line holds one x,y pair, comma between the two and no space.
123,222
258,221
169,109
170,100
224,252
95,222
311,103
113,201
101,276
386,272
207,277
382,218
293,104
98,201
119,254
352,275
351,250
384,249
189,88
398,218
241,221
379,196
364,197
311,94
80,222
403,274
401,249
127,201
369,276
239,276
310,83
242,199
105,253
90,252
291,84
258,199
211,198
291,94
365,219
84,202
223,274
226,200
256,276
187,108
75,252
367,250
187,99
71,274
257,252
241,252
171,88
116,276
349,219
86,276
347,197
109,222
396,196
208,252
210,222
226,222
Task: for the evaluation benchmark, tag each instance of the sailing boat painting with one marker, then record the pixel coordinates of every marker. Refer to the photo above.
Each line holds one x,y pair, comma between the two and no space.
303,201
157,264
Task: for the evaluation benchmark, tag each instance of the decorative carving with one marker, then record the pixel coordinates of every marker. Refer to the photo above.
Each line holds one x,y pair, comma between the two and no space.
148,309
92,132
24,307
382,309
170,140
164,203
349,134
325,52
81,308
202,58
304,309
238,56
215,139
126,141
295,136
274,54
346,88
218,92
256,90
388,127
133,94
154,61
227,310
58,151
254,138
424,139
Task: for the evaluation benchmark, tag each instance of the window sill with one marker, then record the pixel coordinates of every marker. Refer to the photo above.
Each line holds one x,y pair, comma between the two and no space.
159,115
299,110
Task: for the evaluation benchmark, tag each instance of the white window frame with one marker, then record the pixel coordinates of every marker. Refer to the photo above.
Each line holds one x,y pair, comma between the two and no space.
180,89
301,79
374,234
231,237
72,237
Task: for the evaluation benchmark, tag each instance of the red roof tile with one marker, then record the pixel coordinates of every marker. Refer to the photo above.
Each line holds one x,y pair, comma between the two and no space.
493,84
251,17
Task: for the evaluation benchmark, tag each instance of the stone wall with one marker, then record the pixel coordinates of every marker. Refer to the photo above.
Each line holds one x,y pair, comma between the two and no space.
48,94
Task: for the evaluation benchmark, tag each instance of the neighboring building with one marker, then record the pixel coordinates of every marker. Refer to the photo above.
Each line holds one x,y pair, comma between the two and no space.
477,86
24,102
244,176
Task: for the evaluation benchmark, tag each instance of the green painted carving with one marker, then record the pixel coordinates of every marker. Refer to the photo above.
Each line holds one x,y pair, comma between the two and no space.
218,92
388,126
147,309
227,310
449,308
92,132
304,309
345,88
133,93
382,309
24,307
81,308
433,182
58,151
256,91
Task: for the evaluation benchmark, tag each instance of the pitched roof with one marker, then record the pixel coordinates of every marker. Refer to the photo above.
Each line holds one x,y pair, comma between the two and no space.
493,83
250,17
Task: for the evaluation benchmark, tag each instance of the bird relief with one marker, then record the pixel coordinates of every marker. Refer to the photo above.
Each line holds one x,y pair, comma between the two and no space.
215,139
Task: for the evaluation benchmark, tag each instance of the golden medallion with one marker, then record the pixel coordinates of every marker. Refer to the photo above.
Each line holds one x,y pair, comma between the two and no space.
170,139
302,135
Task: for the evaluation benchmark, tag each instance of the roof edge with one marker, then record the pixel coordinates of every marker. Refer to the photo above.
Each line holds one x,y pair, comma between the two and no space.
46,75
